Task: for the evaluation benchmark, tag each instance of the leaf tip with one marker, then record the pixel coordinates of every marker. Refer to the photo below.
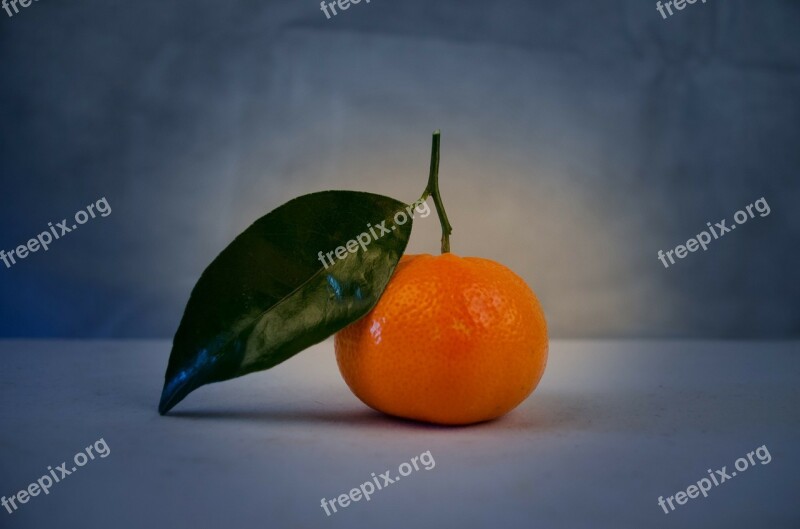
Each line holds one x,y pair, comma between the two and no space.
175,390
166,403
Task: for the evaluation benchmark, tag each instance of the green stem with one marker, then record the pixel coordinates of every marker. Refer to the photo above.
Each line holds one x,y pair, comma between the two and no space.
432,189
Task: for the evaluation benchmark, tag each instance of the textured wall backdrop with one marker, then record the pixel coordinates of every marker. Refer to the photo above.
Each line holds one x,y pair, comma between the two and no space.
579,138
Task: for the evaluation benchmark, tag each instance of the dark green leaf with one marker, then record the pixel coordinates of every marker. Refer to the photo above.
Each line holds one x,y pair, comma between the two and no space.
268,296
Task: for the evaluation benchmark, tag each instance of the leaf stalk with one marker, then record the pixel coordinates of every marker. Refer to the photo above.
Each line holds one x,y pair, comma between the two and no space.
432,190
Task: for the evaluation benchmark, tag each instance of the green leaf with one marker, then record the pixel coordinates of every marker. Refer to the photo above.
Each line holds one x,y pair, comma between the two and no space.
268,296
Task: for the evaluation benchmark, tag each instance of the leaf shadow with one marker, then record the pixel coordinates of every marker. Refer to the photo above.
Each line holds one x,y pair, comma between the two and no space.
360,416
548,414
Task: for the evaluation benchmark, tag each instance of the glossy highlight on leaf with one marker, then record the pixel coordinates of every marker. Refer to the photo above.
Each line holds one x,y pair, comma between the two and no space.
268,296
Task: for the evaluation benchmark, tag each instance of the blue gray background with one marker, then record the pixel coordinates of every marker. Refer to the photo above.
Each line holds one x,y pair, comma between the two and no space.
579,138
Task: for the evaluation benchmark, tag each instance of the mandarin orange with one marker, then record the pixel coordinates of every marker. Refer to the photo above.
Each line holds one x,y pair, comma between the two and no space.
452,341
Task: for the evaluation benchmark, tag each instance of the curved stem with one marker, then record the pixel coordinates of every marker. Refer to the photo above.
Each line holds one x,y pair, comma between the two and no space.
432,189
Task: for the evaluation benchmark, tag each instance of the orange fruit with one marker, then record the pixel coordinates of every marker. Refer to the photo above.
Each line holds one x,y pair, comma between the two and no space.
452,341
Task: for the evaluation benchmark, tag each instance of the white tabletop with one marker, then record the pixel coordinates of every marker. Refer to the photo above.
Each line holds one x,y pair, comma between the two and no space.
613,426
